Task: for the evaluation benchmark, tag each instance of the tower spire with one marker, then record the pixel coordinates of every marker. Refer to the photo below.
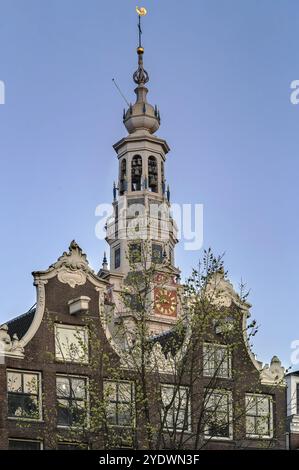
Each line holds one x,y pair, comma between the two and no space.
141,117
141,76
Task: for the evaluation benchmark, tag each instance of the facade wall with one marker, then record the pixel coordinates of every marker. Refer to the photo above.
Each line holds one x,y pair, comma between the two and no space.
39,357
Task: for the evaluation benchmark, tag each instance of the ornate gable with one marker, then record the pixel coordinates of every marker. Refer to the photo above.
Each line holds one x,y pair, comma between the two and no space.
71,268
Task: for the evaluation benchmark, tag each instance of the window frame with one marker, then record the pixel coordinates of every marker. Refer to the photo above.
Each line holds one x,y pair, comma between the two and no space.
270,416
157,260
117,402
117,250
86,400
173,407
136,179
41,443
229,395
135,246
228,360
153,172
78,445
66,326
39,394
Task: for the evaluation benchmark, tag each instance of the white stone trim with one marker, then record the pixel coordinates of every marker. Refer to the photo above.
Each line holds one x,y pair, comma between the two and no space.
292,380
71,268
79,305
39,313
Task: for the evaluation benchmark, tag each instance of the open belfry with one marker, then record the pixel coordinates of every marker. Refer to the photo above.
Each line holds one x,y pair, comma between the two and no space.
128,356
142,226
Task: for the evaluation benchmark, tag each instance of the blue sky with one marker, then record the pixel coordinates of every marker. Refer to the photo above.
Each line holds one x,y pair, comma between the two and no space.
220,71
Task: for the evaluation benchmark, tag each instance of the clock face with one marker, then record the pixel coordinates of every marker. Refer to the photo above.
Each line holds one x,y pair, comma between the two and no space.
165,302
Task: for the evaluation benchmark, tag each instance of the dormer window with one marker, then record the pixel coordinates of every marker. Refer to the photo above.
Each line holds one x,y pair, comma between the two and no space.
153,174
136,173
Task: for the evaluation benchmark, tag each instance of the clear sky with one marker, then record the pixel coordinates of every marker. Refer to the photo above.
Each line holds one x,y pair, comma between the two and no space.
220,71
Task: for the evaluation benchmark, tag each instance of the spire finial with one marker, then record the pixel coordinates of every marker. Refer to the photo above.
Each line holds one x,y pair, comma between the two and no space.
105,262
141,76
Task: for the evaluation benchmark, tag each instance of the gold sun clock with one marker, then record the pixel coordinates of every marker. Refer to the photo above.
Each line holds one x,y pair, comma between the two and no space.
165,302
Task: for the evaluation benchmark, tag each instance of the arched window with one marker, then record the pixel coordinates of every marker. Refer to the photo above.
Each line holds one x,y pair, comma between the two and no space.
123,177
136,173
153,174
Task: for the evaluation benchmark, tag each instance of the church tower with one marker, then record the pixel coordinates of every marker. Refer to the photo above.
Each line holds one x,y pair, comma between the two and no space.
141,200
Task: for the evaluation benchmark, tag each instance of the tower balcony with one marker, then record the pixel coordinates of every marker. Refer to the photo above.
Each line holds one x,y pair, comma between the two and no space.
144,227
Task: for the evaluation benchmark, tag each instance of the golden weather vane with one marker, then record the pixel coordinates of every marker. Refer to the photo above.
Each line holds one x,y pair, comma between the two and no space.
141,11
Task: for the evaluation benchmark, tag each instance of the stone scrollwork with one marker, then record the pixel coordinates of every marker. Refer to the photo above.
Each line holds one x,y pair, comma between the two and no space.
9,346
74,260
72,268
72,278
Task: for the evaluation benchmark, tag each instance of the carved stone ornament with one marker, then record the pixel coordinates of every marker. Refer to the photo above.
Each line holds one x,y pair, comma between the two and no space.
221,291
73,260
72,266
8,346
72,278
273,374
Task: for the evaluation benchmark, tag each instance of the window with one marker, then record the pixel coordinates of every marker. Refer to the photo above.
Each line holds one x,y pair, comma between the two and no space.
71,343
153,174
133,302
72,401
259,416
135,253
117,258
171,255
217,361
123,177
24,395
119,398
163,177
157,253
136,173
218,414
297,399
18,444
176,407
72,446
